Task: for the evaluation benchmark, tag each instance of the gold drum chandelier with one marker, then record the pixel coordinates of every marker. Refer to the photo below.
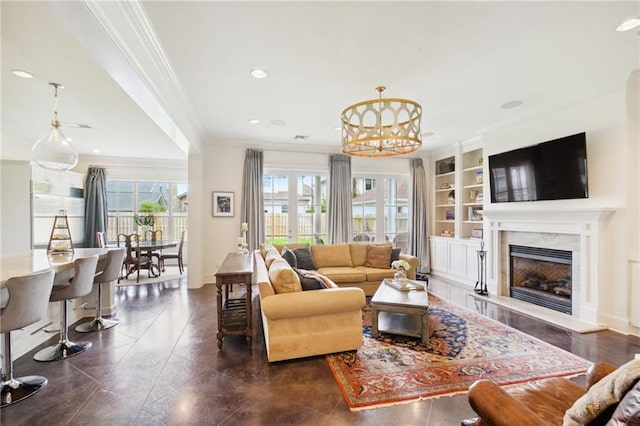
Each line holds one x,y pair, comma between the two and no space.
382,127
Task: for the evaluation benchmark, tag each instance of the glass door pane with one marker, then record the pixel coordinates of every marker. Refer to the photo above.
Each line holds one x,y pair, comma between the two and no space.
276,208
311,201
363,206
396,211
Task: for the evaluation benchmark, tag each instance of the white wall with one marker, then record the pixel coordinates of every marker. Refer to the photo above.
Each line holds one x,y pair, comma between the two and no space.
15,201
604,121
223,169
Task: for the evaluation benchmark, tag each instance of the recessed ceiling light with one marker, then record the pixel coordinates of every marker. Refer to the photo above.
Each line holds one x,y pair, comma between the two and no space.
427,134
254,121
301,137
629,24
96,151
511,104
259,73
22,74
337,128
278,122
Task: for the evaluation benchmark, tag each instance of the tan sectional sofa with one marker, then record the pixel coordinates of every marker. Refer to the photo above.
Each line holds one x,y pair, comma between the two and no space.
345,264
300,323
306,323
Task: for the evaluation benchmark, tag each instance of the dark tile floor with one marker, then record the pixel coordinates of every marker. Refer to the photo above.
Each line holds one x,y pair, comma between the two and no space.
161,365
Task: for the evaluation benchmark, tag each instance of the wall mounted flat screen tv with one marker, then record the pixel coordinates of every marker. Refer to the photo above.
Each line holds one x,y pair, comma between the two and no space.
552,170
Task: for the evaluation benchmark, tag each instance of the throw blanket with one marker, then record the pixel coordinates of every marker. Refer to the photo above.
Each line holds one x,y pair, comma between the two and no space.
607,392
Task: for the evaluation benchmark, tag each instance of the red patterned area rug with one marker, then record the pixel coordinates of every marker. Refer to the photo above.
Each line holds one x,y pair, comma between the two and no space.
463,347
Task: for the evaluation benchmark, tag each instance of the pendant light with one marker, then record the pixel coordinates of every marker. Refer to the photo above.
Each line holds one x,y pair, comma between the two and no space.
54,151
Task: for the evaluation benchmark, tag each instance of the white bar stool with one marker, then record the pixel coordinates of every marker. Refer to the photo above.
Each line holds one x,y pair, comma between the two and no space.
28,297
79,286
110,272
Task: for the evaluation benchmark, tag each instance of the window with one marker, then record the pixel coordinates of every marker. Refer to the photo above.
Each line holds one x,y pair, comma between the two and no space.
164,202
295,207
380,209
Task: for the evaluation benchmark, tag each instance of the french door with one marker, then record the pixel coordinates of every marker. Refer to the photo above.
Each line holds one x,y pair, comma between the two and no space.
295,207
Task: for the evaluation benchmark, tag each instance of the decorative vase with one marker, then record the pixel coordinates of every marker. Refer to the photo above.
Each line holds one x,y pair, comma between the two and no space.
399,275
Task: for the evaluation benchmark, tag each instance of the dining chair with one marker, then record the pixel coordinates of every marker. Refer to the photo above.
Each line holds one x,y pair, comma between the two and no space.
154,235
27,301
134,259
101,238
177,256
79,286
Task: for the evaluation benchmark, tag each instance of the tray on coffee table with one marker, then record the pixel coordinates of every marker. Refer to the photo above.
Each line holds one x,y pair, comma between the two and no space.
410,284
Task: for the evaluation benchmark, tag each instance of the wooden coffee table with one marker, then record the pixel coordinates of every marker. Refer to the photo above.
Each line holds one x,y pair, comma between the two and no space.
400,312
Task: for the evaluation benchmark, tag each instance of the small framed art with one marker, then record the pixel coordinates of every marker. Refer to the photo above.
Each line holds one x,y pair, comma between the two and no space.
223,203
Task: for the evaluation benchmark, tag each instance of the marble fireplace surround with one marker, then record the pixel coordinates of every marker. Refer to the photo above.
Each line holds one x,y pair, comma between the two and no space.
580,231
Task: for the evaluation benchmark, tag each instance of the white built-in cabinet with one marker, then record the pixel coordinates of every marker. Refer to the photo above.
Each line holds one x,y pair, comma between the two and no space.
457,212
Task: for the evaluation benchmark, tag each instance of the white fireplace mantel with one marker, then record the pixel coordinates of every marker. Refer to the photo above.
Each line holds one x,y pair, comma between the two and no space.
559,218
585,223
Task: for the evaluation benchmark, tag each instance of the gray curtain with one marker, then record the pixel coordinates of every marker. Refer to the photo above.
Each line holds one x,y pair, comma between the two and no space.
418,220
252,206
95,205
339,202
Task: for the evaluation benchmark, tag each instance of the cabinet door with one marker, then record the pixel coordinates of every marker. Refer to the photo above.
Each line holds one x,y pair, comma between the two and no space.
457,257
439,256
471,269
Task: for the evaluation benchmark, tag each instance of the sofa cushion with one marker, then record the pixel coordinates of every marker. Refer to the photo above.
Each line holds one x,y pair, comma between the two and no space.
264,247
395,255
304,258
343,274
358,253
283,278
310,280
292,246
628,411
378,256
332,255
288,255
376,274
272,254
607,392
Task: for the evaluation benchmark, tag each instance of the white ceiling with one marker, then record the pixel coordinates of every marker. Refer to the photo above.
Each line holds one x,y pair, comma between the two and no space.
157,78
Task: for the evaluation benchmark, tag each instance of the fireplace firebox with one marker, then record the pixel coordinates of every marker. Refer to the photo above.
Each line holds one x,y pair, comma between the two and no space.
541,276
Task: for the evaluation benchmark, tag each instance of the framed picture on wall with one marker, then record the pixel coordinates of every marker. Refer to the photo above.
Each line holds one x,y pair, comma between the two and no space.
223,203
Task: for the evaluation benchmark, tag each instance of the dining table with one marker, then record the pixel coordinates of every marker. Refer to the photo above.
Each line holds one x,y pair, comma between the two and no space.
28,262
149,246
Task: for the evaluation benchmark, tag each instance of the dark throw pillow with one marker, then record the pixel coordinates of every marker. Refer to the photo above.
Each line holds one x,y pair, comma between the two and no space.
288,255
309,281
395,255
305,258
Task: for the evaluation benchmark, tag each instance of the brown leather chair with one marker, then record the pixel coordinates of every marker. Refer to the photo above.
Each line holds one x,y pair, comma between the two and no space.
545,402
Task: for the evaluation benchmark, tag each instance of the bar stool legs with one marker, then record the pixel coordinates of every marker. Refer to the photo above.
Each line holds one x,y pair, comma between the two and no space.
98,323
14,389
65,348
